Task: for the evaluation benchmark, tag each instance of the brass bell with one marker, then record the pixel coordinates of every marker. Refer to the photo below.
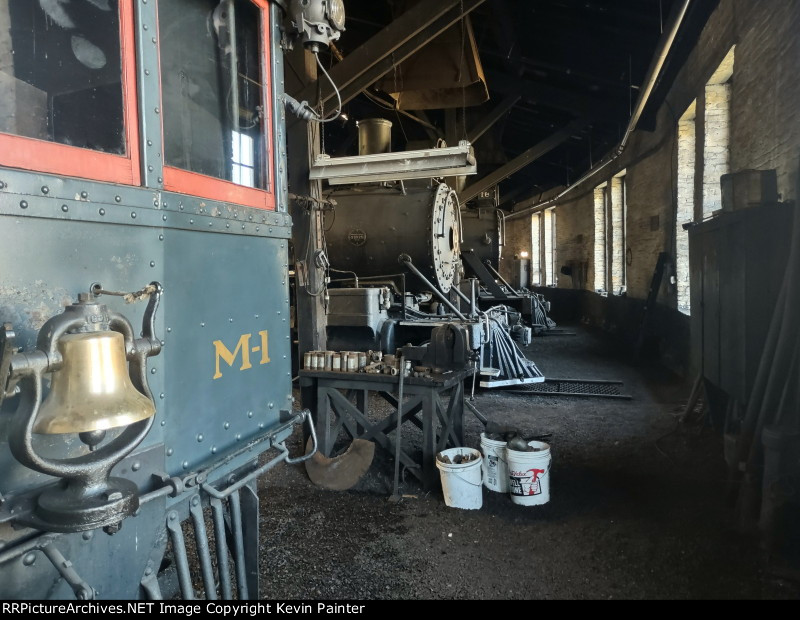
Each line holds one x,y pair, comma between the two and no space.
92,391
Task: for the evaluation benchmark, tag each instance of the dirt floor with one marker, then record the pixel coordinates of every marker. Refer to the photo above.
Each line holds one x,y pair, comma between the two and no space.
637,511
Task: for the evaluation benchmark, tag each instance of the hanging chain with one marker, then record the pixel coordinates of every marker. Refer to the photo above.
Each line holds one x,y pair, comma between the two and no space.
396,89
397,100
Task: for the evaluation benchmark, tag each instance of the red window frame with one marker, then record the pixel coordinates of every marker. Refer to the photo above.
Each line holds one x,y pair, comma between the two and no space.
203,186
61,159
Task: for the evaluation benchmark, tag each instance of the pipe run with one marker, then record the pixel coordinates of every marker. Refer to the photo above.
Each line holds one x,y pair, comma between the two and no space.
501,278
405,259
282,457
665,47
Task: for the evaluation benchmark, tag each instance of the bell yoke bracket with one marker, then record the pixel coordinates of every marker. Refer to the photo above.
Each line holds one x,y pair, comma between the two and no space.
86,496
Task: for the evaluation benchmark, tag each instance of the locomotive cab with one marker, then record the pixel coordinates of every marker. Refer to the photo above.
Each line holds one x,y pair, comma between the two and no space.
142,182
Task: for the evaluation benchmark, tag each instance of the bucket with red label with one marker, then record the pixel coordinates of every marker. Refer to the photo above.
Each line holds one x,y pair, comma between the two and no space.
529,474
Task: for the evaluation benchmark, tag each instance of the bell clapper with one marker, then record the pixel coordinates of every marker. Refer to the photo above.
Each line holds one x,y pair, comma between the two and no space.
92,439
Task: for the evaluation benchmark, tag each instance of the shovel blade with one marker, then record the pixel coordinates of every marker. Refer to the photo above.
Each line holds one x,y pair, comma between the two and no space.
342,472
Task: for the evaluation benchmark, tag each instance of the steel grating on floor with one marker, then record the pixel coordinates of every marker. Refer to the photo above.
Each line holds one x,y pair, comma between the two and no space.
575,387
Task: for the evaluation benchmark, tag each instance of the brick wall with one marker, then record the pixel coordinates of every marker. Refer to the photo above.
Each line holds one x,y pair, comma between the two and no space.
650,217
764,132
716,144
518,240
575,242
765,110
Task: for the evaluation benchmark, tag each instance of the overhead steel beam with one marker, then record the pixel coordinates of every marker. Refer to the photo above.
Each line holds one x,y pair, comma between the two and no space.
385,65
397,42
544,94
488,121
530,201
518,163
522,194
511,196
589,75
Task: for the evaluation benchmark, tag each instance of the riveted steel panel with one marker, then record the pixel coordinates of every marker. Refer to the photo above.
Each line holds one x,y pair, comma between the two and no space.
229,297
225,276
280,173
149,92
41,195
35,184
112,565
218,288
45,264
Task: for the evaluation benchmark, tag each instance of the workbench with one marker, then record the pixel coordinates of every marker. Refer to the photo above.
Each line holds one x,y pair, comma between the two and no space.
433,404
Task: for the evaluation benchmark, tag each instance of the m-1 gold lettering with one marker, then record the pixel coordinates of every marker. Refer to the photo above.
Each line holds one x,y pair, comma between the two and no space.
242,349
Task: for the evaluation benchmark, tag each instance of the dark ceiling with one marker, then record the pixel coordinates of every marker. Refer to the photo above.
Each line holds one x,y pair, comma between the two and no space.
566,60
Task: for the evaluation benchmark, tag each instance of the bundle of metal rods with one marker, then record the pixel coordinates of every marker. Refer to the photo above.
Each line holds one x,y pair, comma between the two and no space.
540,318
503,360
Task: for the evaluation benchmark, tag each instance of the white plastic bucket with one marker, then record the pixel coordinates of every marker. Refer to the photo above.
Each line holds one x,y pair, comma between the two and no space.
462,485
529,475
494,464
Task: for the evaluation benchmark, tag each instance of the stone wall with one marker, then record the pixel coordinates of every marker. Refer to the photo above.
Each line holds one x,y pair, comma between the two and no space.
760,120
735,102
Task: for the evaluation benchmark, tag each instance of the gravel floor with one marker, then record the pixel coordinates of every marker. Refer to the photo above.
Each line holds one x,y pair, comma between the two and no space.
638,509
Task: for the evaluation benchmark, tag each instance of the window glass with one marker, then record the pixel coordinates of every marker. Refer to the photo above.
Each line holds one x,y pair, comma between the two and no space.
211,89
685,212
617,236
61,73
550,247
536,249
600,230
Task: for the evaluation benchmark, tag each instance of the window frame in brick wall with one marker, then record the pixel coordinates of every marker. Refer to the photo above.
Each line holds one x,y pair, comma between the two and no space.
544,248
550,247
716,133
610,236
617,209
536,250
600,258
686,166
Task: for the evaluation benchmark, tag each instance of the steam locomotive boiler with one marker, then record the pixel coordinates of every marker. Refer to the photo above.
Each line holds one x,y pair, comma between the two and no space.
482,251
395,248
372,227
144,375
376,224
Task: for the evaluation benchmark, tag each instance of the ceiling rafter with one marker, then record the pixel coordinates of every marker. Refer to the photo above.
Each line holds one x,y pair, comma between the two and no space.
397,42
526,158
